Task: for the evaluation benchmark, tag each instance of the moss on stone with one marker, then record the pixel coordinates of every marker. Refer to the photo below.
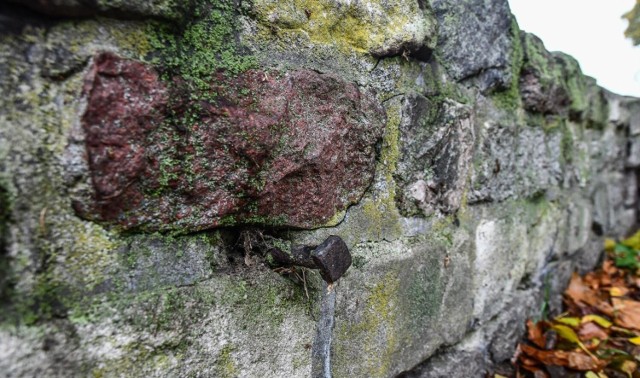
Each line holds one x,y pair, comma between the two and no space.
349,27
390,153
375,333
141,358
206,46
225,365
509,99
6,278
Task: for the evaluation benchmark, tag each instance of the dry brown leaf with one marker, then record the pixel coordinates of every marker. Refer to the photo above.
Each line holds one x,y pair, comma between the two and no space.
590,331
579,361
620,283
627,313
592,279
535,335
526,361
573,360
609,267
580,293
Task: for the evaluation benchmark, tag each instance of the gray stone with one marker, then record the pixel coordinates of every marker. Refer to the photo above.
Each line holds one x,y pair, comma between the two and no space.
634,118
437,143
154,262
474,41
391,27
633,160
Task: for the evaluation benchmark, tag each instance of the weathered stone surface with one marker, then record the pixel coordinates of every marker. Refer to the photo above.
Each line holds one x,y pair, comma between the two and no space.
475,41
541,84
292,151
474,208
437,143
381,28
552,83
515,161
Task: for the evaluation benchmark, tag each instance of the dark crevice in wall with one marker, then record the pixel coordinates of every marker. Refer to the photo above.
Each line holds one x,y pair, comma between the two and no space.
14,18
321,349
6,282
61,10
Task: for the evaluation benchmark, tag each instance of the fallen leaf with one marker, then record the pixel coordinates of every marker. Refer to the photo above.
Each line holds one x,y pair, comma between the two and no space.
609,267
590,331
625,256
570,335
602,322
526,361
581,361
613,352
633,241
609,244
629,367
627,313
580,293
534,333
593,344
623,330
573,360
570,321
594,280
635,340
566,333
617,291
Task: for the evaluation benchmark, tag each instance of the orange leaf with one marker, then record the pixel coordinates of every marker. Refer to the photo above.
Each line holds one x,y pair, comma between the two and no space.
627,313
609,267
573,360
580,293
534,333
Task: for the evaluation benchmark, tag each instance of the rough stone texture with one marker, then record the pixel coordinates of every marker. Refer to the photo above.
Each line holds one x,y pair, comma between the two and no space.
382,28
468,184
474,40
437,144
292,151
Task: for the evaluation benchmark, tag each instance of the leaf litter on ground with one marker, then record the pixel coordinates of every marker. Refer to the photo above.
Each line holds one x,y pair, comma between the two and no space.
598,335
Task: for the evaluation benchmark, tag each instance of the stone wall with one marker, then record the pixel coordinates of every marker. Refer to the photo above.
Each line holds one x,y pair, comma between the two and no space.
151,152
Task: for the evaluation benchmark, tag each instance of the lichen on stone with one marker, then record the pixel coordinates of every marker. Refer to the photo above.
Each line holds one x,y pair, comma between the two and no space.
378,27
